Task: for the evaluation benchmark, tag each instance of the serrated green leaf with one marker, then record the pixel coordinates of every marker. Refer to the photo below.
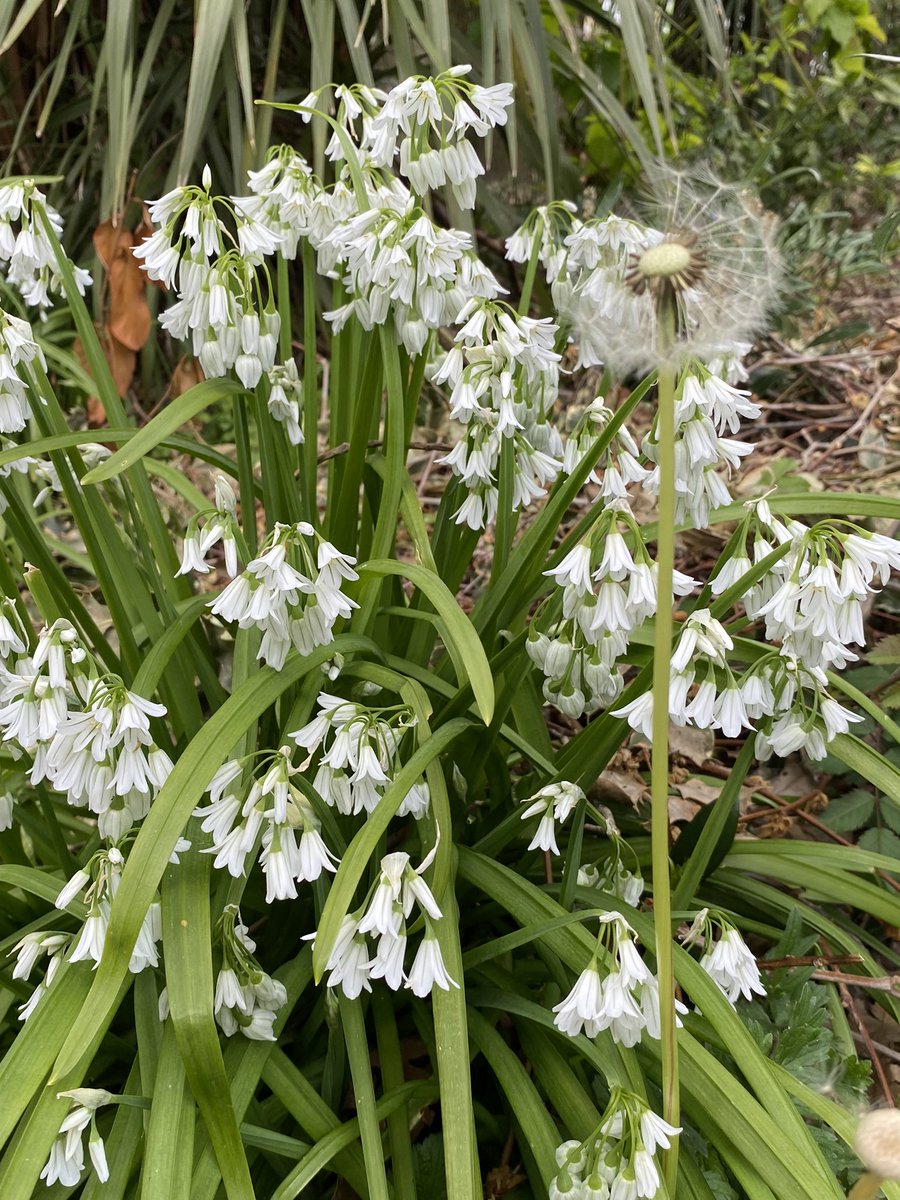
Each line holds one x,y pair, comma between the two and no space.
881,841
886,651
890,814
850,811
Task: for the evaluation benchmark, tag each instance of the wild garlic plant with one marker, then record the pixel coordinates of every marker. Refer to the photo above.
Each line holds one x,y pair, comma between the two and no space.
276,752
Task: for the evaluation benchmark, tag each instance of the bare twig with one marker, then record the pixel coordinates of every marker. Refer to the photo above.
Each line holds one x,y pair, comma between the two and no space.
809,960
850,1005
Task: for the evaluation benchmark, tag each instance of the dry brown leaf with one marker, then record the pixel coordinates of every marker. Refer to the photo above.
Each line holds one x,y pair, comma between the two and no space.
187,373
791,780
681,809
694,745
121,362
128,317
502,1180
698,791
620,787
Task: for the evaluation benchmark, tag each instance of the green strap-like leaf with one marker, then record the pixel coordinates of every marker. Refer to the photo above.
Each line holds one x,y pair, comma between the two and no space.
172,417
540,1133
325,1150
463,643
187,934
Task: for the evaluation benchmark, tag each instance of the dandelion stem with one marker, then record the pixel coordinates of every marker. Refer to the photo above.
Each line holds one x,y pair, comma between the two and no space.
867,1187
659,773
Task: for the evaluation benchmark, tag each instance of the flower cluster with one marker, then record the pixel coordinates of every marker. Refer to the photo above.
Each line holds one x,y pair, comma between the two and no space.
26,251
29,951
88,736
430,119
812,601
358,749
553,803
610,874
726,959
503,373
45,472
97,884
285,402
273,808
543,232
625,1001
581,632
66,1162
247,1000
291,592
398,260
219,524
17,348
700,650
619,461
616,1162
384,916
212,261
586,268
705,407
288,200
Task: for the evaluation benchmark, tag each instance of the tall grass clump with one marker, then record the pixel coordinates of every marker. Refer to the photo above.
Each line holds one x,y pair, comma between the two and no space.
299,880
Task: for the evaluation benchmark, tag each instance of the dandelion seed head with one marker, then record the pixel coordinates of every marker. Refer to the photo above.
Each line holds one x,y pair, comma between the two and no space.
710,251
877,1142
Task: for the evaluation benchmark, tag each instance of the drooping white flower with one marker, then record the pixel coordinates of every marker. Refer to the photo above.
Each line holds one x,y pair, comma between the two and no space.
428,970
292,592
360,754
66,1162
732,967
553,803
27,255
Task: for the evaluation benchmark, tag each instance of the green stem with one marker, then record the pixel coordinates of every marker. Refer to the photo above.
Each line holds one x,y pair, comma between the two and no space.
504,528
364,1094
508,520
245,472
395,456
530,273
659,767
391,1063
310,387
284,307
